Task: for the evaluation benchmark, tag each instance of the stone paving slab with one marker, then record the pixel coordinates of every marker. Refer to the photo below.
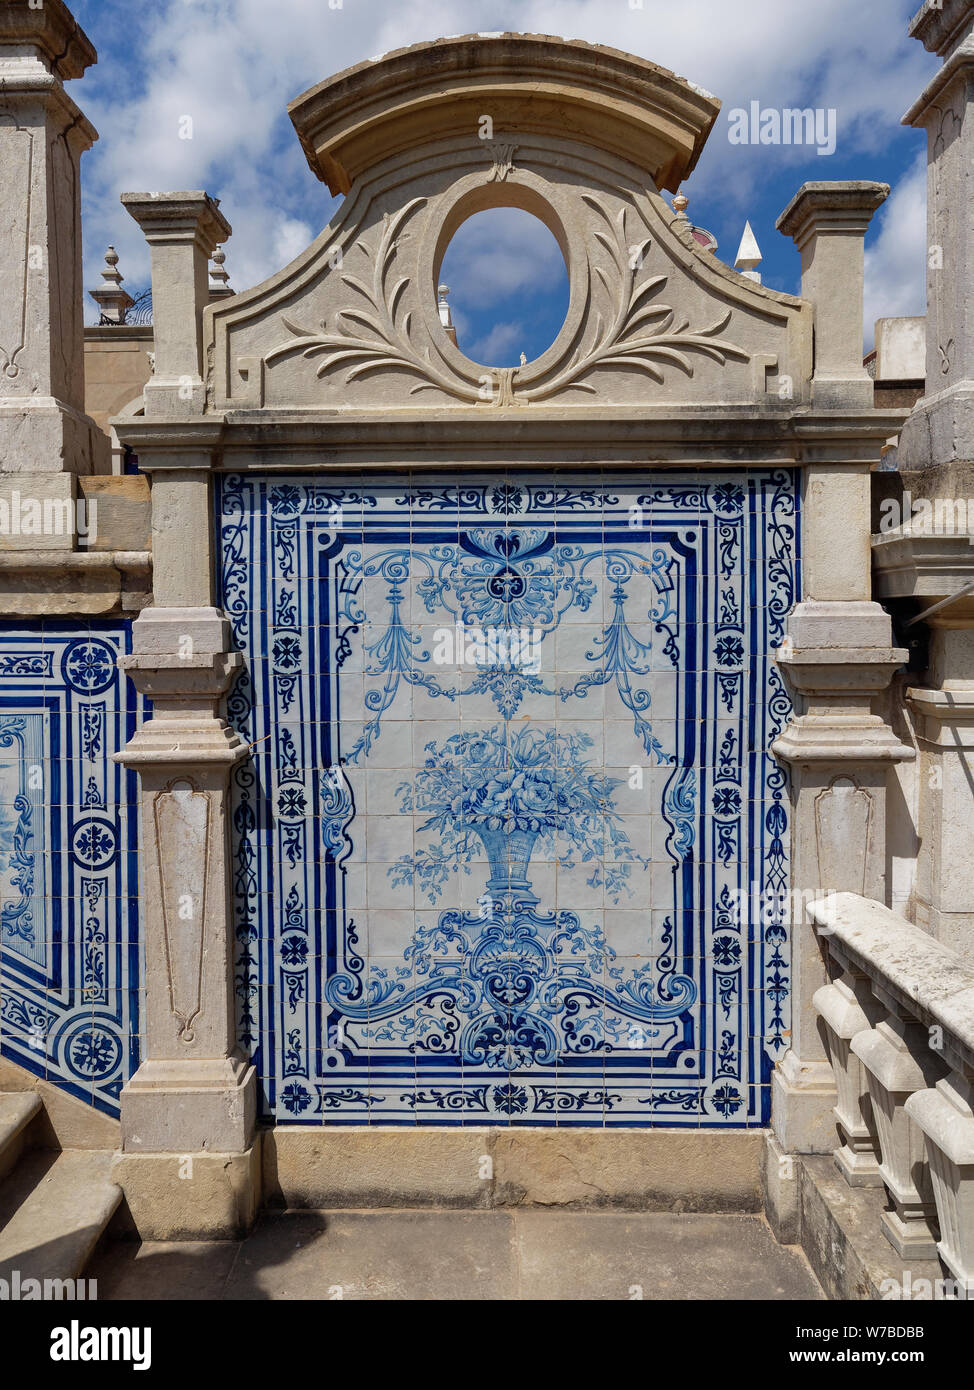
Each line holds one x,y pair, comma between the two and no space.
451,1255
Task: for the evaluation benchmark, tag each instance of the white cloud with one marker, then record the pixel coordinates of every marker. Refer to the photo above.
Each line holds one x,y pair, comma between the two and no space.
498,345
895,261
232,66
498,254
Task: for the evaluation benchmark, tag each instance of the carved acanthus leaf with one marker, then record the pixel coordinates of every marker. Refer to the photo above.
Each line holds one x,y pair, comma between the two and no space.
624,340
378,336
639,333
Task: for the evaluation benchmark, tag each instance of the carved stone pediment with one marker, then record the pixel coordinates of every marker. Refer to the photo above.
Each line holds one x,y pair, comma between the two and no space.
352,324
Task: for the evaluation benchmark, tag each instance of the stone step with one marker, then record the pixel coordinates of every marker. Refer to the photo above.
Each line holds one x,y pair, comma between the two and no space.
17,1109
65,1209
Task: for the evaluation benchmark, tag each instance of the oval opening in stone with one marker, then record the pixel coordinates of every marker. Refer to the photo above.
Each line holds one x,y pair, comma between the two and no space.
507,287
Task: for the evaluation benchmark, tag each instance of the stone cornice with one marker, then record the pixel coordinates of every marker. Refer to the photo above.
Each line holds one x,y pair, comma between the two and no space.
940,24
823,208
18,87
66,583
462,439
960,63
951,707
52,31
532,83
169,217
911,563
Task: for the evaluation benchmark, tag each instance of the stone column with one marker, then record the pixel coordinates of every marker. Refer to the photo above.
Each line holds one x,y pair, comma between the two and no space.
929,560
941,427
944,897
194,1095
838,656
183,230
828,222
193,1099
45,436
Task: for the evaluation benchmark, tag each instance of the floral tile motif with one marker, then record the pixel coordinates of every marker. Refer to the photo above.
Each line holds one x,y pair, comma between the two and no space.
509,789
69,916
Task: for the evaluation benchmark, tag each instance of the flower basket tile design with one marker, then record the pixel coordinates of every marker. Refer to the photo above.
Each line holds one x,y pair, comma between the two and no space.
510,786
69,906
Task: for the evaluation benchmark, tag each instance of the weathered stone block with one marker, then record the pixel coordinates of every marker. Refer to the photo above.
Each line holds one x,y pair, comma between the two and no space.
193,1196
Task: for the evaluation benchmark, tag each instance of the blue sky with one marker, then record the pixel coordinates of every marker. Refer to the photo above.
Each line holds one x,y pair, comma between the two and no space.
232,66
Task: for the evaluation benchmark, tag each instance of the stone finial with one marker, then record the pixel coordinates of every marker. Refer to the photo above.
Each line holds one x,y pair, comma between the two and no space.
749,256
443,307
219,277
112,300
686,231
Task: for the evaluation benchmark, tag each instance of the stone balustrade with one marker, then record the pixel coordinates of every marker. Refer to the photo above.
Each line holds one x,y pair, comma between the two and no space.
898,1019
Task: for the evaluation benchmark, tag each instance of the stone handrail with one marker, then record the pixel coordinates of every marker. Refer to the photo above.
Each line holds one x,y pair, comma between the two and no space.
898,1016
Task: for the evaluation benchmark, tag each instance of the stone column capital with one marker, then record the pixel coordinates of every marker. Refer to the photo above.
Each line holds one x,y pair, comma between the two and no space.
941,25
49,34
828,223
162,443
192,218
927,110
826,208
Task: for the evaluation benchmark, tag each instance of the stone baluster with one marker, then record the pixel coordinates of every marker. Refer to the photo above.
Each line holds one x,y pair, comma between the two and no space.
945,1116
898,1061
848,1007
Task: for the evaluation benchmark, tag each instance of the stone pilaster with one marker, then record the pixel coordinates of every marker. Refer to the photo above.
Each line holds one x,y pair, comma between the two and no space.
839,658
941,427
183,230
43,134
828,222
195,1092
930,564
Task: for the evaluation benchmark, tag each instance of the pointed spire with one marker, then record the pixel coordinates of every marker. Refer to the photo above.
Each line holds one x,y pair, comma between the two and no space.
446,318
749,256
219,277
112,300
